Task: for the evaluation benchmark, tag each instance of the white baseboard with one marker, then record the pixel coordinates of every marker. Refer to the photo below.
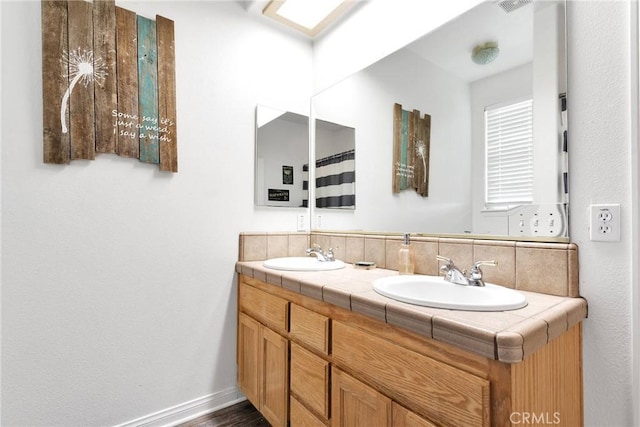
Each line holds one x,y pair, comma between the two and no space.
188,410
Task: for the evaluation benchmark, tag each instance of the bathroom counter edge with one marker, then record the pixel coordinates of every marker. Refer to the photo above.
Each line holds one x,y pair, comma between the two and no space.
506,336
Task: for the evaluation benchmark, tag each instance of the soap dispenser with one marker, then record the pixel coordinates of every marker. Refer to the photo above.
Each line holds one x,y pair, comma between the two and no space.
405,256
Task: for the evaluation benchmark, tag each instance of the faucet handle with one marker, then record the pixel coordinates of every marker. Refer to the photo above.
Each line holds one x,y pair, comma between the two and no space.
449,261
475,275
329,255
477,264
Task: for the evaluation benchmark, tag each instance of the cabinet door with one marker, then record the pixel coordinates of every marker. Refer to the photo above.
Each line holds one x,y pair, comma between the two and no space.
248,358
402,417
274,377
310,380
356,404
300,416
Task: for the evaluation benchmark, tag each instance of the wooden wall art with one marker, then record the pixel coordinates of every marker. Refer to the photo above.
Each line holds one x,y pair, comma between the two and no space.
109,83
411,141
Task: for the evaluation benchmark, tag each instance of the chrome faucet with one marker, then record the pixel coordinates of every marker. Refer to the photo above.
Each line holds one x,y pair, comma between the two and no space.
451,272
322,256
460,277
475,275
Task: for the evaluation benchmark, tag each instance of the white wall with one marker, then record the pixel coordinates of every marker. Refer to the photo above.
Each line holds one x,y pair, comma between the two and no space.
600,172
330,141
365,101
118,294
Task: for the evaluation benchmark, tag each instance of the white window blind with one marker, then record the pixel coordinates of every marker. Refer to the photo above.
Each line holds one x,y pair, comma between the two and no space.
509,151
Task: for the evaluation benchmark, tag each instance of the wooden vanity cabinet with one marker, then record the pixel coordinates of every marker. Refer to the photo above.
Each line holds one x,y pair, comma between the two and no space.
309,363
263,353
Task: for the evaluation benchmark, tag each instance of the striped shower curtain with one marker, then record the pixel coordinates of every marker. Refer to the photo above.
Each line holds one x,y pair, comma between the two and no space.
335,181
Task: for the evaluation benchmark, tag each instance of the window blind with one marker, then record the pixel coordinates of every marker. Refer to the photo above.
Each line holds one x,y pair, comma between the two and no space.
509,153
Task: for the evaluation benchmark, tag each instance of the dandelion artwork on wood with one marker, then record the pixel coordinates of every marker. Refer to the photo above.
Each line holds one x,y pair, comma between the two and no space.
411,143
109,84
83,68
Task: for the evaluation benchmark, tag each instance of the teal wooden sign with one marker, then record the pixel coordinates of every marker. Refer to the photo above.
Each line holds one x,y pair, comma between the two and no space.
148,90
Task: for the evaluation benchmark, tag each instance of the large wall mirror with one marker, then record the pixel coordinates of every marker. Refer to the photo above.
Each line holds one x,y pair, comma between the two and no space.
282,156
437,76
282,161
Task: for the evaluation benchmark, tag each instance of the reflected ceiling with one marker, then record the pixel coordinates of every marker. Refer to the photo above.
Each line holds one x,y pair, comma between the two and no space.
449,47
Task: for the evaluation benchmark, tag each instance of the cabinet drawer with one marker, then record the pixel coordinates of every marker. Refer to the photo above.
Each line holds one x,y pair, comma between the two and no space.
301,417
310,380
310,328
435,390
266,308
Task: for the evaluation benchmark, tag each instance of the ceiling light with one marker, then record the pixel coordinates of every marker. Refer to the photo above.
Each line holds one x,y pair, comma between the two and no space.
484,53
308,16
511,5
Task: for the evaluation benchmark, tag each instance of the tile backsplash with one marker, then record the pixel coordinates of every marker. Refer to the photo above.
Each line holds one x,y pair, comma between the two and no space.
550,268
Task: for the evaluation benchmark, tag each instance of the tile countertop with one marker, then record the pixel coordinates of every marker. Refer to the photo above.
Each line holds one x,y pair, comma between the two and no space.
507,336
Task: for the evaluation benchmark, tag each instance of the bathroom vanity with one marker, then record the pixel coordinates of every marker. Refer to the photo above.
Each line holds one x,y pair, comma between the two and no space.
322,348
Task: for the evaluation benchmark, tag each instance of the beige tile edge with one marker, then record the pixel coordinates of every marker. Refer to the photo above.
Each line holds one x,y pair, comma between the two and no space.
479,341
535,333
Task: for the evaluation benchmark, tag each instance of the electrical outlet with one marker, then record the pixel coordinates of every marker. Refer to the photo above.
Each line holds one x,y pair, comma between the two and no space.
319,221
302,220
605,223
604,215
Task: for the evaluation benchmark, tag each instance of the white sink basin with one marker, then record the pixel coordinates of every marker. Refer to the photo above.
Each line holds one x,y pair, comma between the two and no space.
302,264
434,291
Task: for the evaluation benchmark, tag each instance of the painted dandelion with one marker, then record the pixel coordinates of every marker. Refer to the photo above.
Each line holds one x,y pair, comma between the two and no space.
421,151
83,68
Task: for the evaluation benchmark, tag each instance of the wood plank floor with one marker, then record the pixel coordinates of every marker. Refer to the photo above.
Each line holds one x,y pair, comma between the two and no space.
239,415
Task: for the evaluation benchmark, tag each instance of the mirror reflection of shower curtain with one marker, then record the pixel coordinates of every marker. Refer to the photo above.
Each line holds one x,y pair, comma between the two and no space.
336,181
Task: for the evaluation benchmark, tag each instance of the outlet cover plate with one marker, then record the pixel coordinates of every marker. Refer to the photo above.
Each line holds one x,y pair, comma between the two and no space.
604,223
